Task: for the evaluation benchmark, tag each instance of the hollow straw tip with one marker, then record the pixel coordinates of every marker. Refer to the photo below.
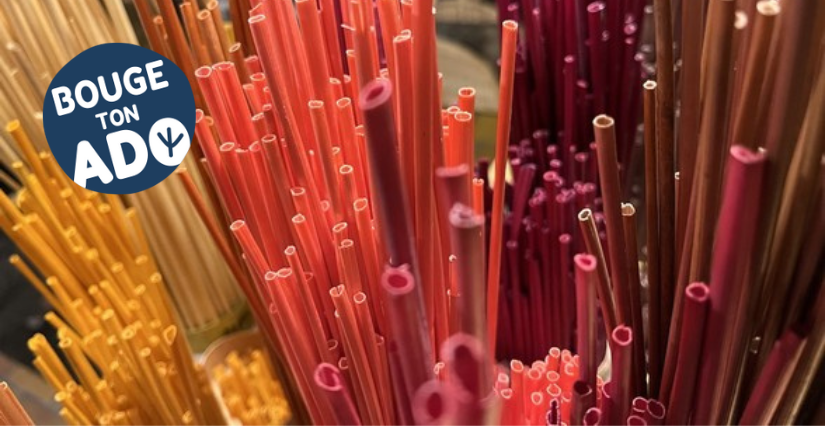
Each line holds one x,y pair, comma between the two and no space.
747,156
467,91
432,404
592,417
603,121
224,67
510,26
698,292
622,335
328,377
298,219
585,262
768,8
397,281
656,409
463,117
582,388
203,72
596,7
649,85
634,420
464,217
639,404
360,204
628,209
237,225
374,94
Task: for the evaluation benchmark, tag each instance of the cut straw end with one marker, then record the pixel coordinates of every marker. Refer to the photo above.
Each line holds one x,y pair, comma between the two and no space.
592,417
603,121
634,420
374,94
432,404
464,356
639,405
622,336
698,292
746,155
655,413
13,125
328,377
585,262
398,281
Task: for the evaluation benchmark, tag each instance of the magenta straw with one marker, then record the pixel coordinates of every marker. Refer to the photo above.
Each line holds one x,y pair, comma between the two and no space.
783,351
592,417
694,315
655,414
434,404
586,318
409,331
731,263
621,374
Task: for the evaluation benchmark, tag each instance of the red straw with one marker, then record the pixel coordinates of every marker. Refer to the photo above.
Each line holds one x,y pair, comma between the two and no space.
235,103
210,86
403,79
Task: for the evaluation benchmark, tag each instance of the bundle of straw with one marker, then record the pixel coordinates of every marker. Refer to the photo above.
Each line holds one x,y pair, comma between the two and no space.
385,258
11,412
364,247
113,315
203,288
250,390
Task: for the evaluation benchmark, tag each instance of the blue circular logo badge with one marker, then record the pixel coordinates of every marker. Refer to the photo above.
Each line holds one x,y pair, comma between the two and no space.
119,118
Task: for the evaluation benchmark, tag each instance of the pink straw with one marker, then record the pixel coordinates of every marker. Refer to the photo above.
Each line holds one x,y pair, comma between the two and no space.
732,253
329,380
781,354
409,331
621,346
694,314
586,318
433,404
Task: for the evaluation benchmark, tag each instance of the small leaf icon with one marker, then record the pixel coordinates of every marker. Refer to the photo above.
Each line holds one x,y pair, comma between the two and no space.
168,140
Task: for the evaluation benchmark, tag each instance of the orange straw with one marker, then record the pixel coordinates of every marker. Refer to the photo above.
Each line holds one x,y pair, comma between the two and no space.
509,37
